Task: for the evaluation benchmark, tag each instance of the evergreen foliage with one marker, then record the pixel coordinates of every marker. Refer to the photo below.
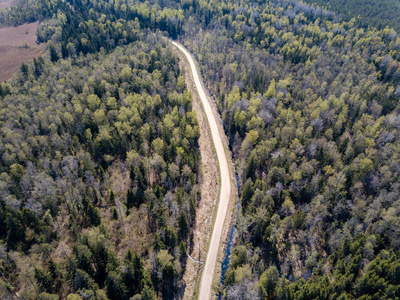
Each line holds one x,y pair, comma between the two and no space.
99,149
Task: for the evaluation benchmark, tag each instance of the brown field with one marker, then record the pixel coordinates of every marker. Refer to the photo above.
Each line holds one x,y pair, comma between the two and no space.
17,45
7,3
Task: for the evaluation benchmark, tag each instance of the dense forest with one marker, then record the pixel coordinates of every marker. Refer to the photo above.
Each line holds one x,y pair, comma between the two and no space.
100,164
310,105
99,175
374,13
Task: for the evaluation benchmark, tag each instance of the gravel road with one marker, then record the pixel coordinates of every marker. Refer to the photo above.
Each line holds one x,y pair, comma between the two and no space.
211,259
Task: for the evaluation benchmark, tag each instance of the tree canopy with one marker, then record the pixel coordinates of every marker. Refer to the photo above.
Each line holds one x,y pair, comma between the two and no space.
99,166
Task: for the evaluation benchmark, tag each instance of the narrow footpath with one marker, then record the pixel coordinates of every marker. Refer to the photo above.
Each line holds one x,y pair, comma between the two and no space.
225,189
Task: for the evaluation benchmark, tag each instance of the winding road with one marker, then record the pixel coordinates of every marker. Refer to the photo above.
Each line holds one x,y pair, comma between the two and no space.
225,190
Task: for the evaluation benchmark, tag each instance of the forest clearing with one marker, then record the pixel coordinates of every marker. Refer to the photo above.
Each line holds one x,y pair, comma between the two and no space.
17,45
6,3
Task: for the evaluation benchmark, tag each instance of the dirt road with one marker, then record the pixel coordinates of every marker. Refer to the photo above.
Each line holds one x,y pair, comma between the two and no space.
211,259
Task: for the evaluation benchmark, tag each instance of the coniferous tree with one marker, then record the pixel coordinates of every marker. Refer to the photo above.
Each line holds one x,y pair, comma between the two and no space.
53,54
130,199
112,197
183,225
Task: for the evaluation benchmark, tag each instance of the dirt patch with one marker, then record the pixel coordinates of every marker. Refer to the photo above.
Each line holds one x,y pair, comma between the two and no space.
17,45
7,3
